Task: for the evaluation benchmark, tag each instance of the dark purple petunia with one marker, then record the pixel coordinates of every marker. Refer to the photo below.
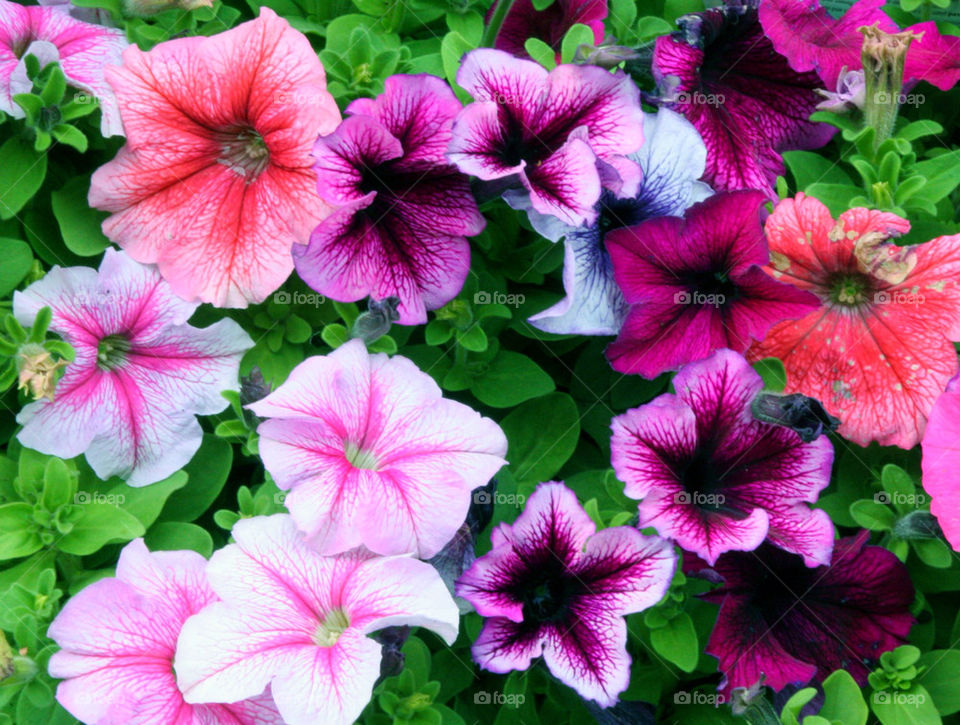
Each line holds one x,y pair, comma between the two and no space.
712,477
563,134
722,73
787,623
404,209
549,25
553,585
695,285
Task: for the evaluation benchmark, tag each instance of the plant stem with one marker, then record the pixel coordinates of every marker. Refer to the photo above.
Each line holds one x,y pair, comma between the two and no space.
496,22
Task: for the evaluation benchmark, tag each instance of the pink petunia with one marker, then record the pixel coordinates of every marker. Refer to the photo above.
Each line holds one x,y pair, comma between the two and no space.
141,375
877,352
524,21
404,211
118,637
553,585
373,455
215,184
562,134
299,622
83,50
941,461
715,479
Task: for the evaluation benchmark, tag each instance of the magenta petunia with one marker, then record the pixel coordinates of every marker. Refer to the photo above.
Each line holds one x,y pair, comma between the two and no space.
299,622
813,40
552,585
404,211
524,21
563,134
117,639
941,461
715,479
722,73
215,184
373,454
695,285
83,50
141,375
787,623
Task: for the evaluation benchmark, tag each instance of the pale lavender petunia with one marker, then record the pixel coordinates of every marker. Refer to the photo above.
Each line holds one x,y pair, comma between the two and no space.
300,620
373,454
672,160
118,637
82,49
141,375
712,477
563,134
552,585
404,210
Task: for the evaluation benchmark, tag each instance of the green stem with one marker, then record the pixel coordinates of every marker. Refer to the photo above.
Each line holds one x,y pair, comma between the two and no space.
496,22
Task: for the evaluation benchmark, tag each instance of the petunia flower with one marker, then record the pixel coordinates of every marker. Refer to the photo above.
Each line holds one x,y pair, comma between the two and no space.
552,585
851,93
715,479
373,455
404,210
215,184
561,132
813,40
524,21
790,624
941,460
118,637
141,374
83,50
877,351
299,622
695,285
671,160
722,73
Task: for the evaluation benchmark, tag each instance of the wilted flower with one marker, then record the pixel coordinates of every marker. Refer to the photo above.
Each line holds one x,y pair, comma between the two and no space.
715,479
39,372
299,622
553,585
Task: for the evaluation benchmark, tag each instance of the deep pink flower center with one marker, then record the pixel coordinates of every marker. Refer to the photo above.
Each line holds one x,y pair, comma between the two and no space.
112,352
245,152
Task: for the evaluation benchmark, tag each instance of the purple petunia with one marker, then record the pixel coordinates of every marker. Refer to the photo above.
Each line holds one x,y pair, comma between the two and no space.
554,586
722,73
786,623
563,134
404,210
713,478
695,285
524,21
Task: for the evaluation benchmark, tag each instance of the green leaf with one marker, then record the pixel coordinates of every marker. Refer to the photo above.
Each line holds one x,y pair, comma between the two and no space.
844,701
919,129
578,34
70,136
511,379
837,197
810,168
796,703
98,525
942,174
872,515
23,172
18,532
473,339
452,49
17,260
677,642
933,552
334,334
208,472
79,224
905,707
542,434
59,484
940,678
146,502
469,25
175,535
541,52
773,373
